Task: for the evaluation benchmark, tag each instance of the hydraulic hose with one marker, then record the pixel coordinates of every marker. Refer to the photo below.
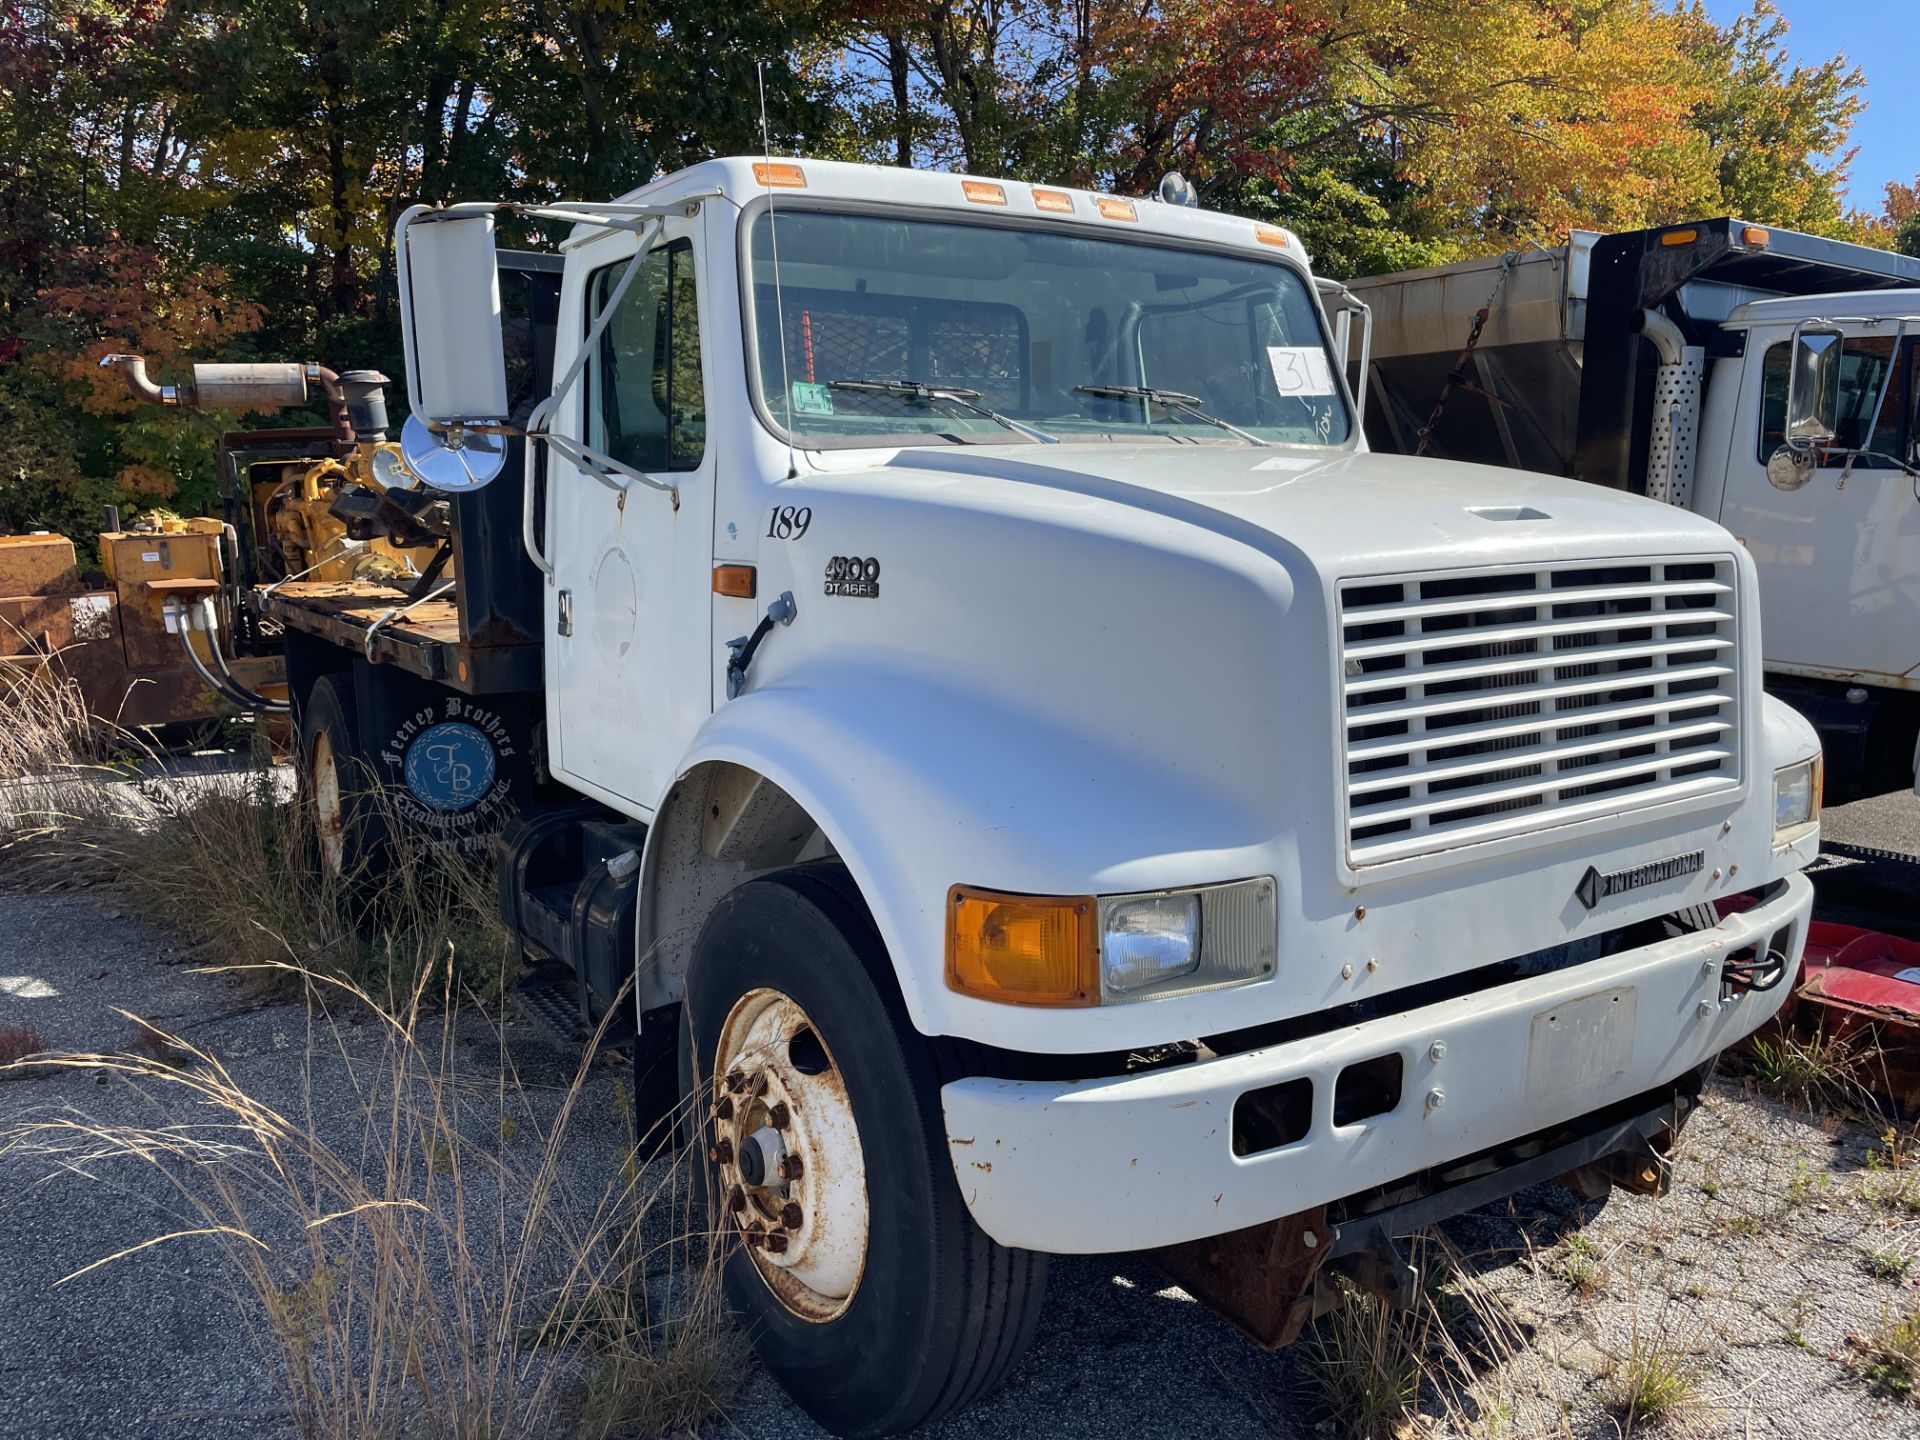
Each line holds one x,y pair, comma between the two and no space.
228,688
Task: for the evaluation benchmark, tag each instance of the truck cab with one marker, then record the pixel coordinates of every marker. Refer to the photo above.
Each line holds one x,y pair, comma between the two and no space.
1036,783
1835,533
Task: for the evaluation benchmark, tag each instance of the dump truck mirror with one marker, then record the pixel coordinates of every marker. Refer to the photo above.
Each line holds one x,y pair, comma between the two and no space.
450,332
1813,387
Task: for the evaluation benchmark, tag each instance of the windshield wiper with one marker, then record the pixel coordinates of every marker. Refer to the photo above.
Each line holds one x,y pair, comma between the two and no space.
1174,400
921,392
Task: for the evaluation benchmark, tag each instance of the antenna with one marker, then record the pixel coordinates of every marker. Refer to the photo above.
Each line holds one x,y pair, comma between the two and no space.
773,234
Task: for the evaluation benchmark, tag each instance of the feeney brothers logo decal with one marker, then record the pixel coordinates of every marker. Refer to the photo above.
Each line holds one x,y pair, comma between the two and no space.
449,756
1595,887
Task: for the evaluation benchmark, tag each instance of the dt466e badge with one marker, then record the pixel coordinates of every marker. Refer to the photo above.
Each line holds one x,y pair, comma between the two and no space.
851,575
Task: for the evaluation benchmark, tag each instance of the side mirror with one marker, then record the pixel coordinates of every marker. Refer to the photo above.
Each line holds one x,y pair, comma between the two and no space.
456,357
1813,388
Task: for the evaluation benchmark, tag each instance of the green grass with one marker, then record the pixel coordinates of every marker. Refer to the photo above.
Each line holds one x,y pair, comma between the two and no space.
1888,1265
1654,1378
1818,1071
1891,1354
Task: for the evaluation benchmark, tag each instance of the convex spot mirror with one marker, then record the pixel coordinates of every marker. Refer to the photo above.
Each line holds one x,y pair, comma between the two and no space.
1813,389
1790,469
456,357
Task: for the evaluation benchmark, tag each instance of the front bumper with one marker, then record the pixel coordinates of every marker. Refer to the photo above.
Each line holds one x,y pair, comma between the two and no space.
1137,1161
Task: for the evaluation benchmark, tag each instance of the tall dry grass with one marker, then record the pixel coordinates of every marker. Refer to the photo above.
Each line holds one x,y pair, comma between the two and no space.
1439,1366
225,855
423,1250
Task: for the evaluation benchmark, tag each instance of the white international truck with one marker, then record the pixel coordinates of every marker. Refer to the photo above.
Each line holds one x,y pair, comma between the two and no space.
1762,378
1053,790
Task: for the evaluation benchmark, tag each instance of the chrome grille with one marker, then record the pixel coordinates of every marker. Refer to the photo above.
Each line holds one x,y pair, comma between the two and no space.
1487,703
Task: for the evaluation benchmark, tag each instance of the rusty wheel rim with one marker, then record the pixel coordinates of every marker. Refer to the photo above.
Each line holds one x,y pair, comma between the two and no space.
801,1211
329,816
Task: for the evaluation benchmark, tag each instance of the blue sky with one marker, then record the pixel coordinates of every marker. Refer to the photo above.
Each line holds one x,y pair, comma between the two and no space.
1882,37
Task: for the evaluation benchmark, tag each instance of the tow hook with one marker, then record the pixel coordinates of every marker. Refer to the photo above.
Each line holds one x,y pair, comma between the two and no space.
740,652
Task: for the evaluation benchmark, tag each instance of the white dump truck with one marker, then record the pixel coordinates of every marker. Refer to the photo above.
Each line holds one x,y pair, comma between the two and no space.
945,642
1762,378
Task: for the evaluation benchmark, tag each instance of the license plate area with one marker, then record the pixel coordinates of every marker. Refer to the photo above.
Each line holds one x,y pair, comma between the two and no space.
1584,1044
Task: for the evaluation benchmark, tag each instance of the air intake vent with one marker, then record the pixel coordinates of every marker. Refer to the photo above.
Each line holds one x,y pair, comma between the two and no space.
1490,703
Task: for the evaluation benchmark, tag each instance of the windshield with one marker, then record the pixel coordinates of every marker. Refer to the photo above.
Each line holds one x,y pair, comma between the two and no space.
924,331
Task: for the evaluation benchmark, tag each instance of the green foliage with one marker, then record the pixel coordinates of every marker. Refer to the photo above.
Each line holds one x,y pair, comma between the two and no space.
203,182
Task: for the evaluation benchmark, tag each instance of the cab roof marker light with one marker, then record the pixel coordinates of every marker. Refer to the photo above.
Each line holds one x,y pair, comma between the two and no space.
1112,207
779,175
1271,235
1054,202
982,192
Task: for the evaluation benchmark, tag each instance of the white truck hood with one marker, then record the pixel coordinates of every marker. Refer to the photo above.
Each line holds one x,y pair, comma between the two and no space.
1354,514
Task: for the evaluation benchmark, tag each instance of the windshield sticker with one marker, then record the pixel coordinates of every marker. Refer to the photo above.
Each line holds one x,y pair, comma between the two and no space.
811,399
1300,370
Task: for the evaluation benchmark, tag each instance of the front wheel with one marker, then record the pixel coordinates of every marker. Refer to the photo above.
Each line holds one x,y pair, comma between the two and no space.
867,1288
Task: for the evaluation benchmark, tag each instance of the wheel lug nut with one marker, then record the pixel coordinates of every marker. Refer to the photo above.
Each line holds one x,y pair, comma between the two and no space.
736,1082
790,1215
779,1115
736,1200
760,1083
722,1153
777,1243
725,1108
790,1167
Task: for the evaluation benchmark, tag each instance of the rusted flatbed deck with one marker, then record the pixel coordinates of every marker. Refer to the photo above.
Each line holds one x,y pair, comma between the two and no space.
378,621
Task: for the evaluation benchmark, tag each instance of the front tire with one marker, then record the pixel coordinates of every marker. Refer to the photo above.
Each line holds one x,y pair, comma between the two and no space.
867,1288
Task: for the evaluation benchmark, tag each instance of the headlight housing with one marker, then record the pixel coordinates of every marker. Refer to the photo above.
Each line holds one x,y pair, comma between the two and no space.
1796,799
1109,950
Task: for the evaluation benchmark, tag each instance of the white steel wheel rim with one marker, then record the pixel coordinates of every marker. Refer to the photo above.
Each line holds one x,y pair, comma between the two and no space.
805,1229
329,815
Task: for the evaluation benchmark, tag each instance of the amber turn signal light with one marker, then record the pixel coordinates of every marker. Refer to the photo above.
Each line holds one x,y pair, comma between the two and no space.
1023,949
779,175
737,581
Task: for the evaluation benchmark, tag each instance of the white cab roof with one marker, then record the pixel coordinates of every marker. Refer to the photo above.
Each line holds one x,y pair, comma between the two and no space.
1790,309
735,177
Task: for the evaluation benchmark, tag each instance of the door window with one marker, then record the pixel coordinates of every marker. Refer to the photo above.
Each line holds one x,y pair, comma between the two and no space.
1863,371
645,401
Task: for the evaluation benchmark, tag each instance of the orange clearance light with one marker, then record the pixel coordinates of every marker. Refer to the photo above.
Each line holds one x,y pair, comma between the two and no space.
1023,949
779,175
1757,237
980,192
1271,235
1679,237
1057,202
737,581
1114,208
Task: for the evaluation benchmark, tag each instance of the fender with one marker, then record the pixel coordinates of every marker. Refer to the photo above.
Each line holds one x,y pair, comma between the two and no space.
917,786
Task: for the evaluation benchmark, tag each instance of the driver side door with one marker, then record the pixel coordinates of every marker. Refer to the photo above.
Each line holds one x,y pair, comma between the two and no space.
628,623
1838,556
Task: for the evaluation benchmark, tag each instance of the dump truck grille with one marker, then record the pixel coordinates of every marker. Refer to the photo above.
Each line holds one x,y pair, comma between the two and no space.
1488,703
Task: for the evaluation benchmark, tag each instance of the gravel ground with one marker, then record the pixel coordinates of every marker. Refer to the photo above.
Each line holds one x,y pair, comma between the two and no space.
1756,1270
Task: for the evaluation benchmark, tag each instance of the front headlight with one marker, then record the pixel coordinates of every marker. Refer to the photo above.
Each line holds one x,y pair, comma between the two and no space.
1111,949
1148,941
1796,797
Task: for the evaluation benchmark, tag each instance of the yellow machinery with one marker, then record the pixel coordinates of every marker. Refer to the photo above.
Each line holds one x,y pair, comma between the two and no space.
306,527
113,637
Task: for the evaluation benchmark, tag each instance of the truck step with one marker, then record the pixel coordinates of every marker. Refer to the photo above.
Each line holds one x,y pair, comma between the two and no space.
549,997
